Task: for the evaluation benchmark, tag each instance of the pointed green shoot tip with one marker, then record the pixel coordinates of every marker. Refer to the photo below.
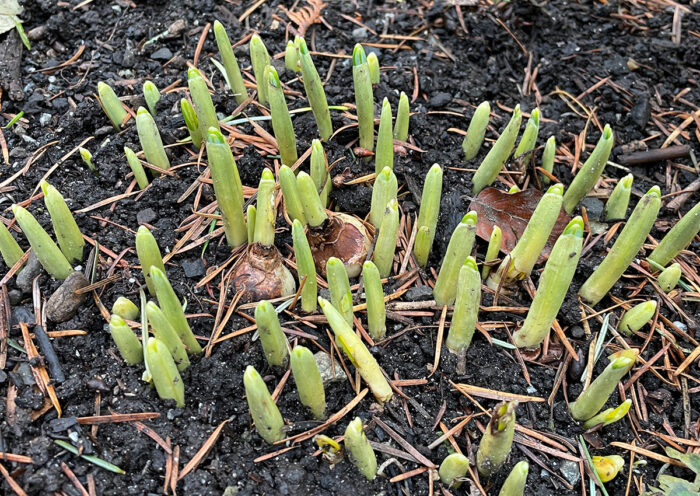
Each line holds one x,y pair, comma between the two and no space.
358,55
607,132
141,111
574,227
214,136
622,362
316,146
654,191
627,181
193,73
556,189
301,45
272,77
470,218
535,116
267,175
386,104
471,263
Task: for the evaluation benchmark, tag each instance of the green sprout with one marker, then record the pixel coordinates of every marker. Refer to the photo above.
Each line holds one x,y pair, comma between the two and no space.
554,283
453,468
624,249
497,439
251,214
191,121
125,308
305,267
513,189
87,158
308,380
9,248
127,343
609,416
466,307
291,57
281,120
228,188
357,352
384,157
428,215
373,65
266,213
260,59
590,171
669,277
385,246
164,332
165,376
68,234
111,104
384,190
402,117
136,167
150,139
233,72
492,164
266,415
46,251
636,317
364,100
170,305
360,451
339,287
516,480
596,395
313,208
607,467
374,295
314,90
292,202
458,249
519,263
492,250
678,238
476,131
319,171
203,105
149,255
548,154
616,206
529,137
274,343
152,96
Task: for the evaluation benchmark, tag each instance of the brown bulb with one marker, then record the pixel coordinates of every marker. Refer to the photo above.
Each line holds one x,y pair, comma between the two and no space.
341,236
262,275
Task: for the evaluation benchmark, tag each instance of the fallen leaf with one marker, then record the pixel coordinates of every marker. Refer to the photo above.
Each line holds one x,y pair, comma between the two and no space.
511,212
9,10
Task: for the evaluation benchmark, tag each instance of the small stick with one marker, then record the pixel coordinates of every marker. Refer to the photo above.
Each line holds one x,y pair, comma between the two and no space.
52,362
656,155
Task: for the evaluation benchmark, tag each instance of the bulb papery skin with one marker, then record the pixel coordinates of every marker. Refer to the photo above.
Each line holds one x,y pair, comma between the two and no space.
341,236
262,275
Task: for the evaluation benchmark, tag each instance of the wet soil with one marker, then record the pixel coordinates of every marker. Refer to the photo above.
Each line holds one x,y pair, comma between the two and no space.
457,61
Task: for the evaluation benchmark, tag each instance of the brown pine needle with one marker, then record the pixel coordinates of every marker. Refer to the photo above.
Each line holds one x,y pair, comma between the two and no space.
203,451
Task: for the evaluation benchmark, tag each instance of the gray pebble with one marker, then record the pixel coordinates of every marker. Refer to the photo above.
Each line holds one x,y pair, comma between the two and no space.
64,303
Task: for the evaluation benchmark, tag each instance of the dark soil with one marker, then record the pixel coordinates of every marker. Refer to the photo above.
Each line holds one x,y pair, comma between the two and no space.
573,45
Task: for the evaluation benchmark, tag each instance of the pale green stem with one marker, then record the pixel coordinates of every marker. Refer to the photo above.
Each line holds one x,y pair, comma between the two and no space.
492,250
127,343
305,267
319,171
87,158
373,65
273,340
668,279
203,105
9,248
385,246
476,131
339,287
516,481
136,167
609,416
46,251
164,332
68,234
281,120
290,192
458,249
678,238
636,317
616,206
308,381
529,138
233,72
428,215
313,87
260,59
492,164
548,155
313,208
266,415
364,100
151,95
402,118
453,467
360,451
149,255
466,308
192,122
111,104
251,215
125,308
384,190
497,439
165,376
374,296
384,156
266,214
150,139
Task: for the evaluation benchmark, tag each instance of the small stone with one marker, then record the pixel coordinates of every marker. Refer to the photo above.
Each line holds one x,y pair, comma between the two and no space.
64,303
24,370
641,112
45,120
570,471
419,293
359,34
62,424
18,152
162,54
193,268
176,27
37,33
440,100
323,360
3,376
577,332
146,216
103,131
594,207
15,296
97,384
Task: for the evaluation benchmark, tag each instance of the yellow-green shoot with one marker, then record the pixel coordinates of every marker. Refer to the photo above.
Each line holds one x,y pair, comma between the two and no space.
624,249
476,131
203,105
319,171
171,306
274,343
291,57
136,167
374,296
281,120
385,246
9,248
529,138
636,317
339,287
596,395
364,99
548,155
151,143
492,250
591,170
86,156
228,188
360,451
68,234
266,212
308,380
384,190
233,72
466,309
428,215
127,343
151,95
373,64
111,104
492,164
149,255
314,90
402,118
458,249
46,251
678,238
164,372
164,332
192,122
554,283
305,267
266,415
314,211
607,467
384,157
260,59
290,192
125,308
250,216
516,480
357,352
616,206
609,416
669,277
453,468
497,440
